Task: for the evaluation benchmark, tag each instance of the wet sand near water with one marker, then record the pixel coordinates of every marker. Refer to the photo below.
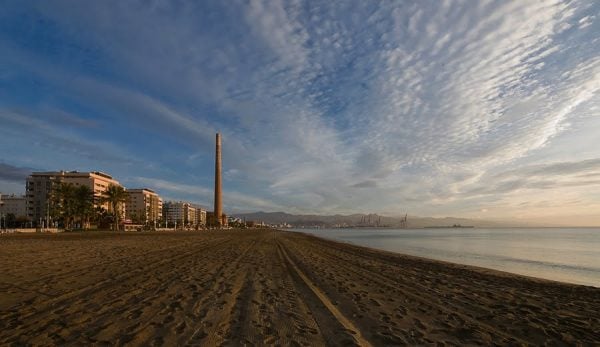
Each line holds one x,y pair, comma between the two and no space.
265,287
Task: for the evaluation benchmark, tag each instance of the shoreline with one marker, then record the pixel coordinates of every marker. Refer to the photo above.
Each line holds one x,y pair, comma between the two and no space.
271,287
480,269
555,269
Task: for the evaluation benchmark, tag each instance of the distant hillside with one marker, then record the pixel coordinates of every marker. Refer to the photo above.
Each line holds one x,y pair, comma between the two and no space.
364,220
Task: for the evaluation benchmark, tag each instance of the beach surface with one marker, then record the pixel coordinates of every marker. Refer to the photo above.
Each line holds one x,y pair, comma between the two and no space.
265,287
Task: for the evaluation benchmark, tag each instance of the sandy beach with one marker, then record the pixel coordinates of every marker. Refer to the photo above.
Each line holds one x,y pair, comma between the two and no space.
270,288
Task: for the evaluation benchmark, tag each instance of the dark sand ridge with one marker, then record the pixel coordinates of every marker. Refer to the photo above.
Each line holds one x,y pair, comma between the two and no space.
270,287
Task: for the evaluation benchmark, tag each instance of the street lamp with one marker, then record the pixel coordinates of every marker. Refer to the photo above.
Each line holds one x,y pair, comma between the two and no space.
47,212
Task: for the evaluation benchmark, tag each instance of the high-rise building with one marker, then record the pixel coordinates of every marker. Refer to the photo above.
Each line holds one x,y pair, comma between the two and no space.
40,186
143,206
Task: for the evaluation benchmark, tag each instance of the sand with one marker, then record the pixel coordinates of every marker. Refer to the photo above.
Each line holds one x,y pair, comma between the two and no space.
270,288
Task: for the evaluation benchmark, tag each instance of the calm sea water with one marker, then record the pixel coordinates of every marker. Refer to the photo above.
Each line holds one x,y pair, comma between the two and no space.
560,254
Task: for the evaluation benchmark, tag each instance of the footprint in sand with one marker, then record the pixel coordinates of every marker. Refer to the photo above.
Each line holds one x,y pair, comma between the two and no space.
374,302
180,328
168,319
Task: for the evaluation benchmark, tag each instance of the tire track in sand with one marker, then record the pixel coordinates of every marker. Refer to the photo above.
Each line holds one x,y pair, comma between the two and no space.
270,310
345,322
215,323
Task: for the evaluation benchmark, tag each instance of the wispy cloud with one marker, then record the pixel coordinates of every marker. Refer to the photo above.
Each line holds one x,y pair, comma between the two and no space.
14,173
57,139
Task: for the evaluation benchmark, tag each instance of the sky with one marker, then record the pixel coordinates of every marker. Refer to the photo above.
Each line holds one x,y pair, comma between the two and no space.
477,109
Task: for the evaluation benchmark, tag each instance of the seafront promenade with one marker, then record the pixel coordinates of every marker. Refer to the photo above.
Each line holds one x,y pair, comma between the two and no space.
264,287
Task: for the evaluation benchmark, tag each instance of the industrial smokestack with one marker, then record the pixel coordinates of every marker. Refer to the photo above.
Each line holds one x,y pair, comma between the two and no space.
218,211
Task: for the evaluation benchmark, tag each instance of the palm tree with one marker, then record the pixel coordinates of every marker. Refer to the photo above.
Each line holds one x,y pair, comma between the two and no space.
71,203
101,217
63,207
83,203
115,196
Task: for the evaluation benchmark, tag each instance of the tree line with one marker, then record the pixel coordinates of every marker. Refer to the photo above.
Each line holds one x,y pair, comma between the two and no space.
77,207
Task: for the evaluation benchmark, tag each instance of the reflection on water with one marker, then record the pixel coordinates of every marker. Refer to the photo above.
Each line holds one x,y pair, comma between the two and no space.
561,254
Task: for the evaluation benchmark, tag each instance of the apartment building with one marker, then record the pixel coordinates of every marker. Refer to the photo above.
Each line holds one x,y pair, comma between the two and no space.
201,216
13,204
143,206
40,185
184,214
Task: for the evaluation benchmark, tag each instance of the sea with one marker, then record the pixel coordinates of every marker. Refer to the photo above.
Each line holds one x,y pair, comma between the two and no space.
560,254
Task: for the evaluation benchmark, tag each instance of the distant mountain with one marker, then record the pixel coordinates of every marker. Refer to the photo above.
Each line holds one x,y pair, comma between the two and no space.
364,220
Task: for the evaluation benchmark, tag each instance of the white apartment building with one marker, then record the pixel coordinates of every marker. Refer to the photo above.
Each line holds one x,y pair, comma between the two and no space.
143,206
40,185
184,214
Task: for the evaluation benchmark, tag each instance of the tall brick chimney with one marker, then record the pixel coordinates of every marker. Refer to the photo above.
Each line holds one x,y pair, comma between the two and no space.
218,212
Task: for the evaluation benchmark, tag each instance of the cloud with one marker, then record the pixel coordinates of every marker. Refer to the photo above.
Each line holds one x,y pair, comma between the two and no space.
547,176
365,184
55,138
275,24
13,173
559,168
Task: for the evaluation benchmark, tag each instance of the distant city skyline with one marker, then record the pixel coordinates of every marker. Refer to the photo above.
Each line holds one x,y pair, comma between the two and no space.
485,110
